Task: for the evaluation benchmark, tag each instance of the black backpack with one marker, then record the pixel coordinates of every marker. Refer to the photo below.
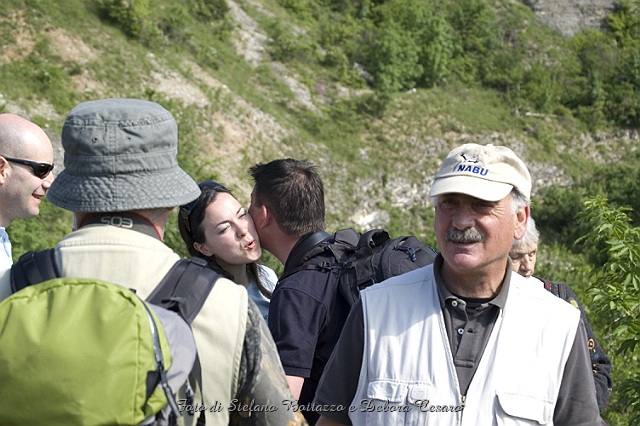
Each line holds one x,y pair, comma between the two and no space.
360,260
184,290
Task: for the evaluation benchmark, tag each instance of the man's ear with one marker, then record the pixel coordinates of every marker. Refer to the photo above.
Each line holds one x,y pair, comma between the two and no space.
3,169
261,217
522,217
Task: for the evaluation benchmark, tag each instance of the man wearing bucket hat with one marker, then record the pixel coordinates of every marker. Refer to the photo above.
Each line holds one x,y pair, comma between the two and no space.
121,181
464,341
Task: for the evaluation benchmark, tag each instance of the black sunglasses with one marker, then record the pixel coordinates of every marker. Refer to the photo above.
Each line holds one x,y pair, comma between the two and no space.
185,211
40,170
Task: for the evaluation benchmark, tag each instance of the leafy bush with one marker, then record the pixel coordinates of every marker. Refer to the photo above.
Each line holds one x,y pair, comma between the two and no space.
623,84
300,8
476,37
620,183
207,10
131,15
437,50
394,59
403,44
616,295
285,46
595,51
555,209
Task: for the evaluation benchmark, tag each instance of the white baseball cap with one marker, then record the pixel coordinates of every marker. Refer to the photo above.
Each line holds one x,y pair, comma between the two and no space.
486,172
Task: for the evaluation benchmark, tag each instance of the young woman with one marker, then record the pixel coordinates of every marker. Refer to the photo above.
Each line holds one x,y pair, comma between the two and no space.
217,228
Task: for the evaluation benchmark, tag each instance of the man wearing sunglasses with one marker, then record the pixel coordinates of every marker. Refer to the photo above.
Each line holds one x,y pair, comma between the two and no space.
26,162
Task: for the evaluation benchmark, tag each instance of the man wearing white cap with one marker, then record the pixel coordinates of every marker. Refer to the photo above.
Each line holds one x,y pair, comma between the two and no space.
464,341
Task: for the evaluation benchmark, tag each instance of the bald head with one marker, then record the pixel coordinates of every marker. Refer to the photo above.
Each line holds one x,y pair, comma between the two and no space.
24,149
18,135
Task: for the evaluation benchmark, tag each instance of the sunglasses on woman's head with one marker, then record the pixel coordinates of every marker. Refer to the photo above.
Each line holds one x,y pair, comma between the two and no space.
185,211
40,170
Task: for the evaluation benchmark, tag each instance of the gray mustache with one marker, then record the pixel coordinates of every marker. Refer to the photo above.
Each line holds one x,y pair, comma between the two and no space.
469,235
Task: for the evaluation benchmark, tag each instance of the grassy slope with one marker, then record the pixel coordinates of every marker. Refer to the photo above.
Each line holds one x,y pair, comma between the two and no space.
233,113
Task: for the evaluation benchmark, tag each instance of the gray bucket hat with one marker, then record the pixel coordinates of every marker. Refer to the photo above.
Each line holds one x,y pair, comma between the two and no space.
120,155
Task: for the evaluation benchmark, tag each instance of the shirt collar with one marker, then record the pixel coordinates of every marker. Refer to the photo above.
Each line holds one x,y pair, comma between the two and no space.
125,220
499,300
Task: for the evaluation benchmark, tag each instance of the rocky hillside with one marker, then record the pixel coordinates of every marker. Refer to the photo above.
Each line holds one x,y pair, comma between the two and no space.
382,181
571,16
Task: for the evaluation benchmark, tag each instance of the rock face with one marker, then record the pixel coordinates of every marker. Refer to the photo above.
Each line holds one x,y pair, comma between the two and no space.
571,16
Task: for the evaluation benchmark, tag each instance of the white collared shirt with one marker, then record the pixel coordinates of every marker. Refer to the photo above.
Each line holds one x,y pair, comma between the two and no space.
5,250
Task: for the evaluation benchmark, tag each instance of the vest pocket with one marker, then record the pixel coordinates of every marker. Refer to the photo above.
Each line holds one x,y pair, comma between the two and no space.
517,409
394,403
385,403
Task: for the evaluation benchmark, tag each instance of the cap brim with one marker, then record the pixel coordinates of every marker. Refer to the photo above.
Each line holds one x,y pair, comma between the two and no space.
475,187
116,193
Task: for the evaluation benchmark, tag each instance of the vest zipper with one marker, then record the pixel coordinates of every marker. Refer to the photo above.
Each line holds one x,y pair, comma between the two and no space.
462,400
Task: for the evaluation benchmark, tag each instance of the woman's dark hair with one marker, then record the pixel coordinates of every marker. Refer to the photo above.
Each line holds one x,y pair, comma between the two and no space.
192,231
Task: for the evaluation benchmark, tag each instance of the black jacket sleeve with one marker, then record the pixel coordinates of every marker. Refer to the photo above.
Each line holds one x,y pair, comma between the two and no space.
600,362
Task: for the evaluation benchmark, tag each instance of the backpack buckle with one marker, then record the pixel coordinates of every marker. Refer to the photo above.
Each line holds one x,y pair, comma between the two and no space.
409,251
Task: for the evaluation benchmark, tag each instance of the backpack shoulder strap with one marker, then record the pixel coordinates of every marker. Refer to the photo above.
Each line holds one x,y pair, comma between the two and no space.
306,248
553,288
345,242
347,236
562,291
371,241
33,268
301,258
185,287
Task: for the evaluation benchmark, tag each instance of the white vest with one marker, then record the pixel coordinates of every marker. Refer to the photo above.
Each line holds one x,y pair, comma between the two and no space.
408,376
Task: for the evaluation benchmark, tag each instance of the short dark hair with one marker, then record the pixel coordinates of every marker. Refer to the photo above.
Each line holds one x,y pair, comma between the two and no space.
293,191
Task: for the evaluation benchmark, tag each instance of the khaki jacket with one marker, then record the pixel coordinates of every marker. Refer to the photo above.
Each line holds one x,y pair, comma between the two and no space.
135,260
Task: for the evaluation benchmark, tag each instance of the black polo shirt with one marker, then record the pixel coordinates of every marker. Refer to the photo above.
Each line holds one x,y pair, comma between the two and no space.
469,323
306,316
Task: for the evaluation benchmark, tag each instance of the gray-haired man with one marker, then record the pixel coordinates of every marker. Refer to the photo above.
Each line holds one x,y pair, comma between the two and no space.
464,341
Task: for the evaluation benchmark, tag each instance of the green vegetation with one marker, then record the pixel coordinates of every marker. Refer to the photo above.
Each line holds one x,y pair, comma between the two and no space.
404,44
615,246
41,233
393,85
591,239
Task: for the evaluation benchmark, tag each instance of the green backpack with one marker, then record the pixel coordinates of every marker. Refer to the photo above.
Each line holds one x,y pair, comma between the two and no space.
76,351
